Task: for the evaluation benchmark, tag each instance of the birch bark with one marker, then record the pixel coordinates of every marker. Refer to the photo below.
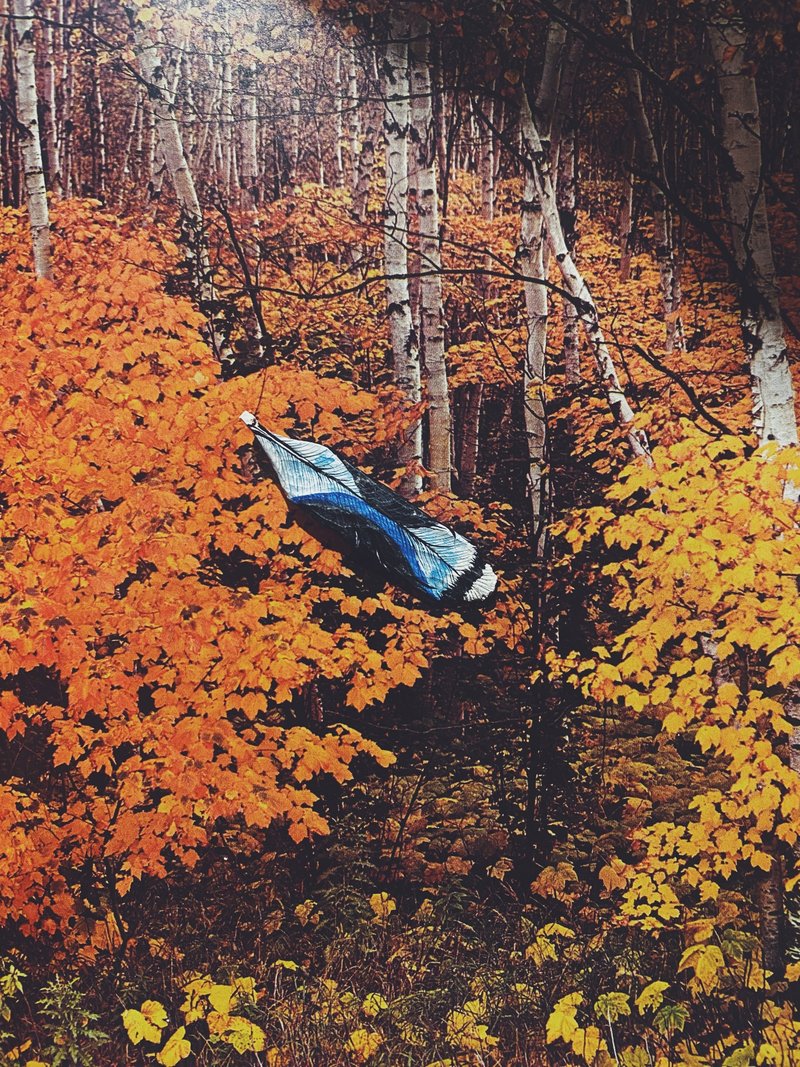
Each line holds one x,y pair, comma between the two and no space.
353,116
30,147
431,312
170,145
774,414
339,108
538,165
405,349
50,110
366,156
250,138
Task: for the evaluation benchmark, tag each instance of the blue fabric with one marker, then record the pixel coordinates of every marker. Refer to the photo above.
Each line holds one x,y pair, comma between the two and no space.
436,581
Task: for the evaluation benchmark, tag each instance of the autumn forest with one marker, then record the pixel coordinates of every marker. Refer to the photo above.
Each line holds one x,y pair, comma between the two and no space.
399,533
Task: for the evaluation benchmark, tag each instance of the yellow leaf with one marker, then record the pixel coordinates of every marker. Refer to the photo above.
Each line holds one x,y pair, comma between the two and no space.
614,875
561,1023
587,1043
374,1003
220,997
382,906
147,1024
244,1036
363,1043
176,1049
651,996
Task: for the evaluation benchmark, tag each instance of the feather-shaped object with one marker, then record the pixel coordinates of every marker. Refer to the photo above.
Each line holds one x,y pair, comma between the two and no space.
436,561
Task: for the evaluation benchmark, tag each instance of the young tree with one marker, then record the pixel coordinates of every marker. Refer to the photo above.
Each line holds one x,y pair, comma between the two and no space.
774,413
427,209
28,132
538,166
404,344
652,161
170,145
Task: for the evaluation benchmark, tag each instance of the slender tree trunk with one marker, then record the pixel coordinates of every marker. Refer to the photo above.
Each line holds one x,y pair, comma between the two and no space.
50,110
28,132
654,163
431,312
405,350
537,164
366,157
774,414
626,210
486,158
567,195
126,165
226,127
530,259
294,142
470,438
338,111
98,114
353,117
250,190
68,107
171,147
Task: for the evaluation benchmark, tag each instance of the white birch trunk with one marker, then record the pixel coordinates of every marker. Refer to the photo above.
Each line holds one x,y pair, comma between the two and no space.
626,211
338,113
486,159
68,83
99,149
431,310
366,156
170,145
50,111
294,141
405,350
353,117
249,138
537,163
226,128
530,260
774,415
30,147
567,194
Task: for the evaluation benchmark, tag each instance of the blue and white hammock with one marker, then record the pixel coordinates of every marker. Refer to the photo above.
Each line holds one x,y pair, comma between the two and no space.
434,560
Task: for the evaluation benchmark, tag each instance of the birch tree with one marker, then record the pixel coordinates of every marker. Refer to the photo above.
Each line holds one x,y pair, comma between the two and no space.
531,260
774,411
28,132
170,145
427,209
50,108
538,166
774,414
250,191
366,156
353,115
404,344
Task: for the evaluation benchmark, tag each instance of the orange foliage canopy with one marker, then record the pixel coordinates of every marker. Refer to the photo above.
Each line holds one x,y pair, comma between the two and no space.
156,606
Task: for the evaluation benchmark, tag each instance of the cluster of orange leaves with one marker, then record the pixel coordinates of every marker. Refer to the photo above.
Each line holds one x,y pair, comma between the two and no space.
159,607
